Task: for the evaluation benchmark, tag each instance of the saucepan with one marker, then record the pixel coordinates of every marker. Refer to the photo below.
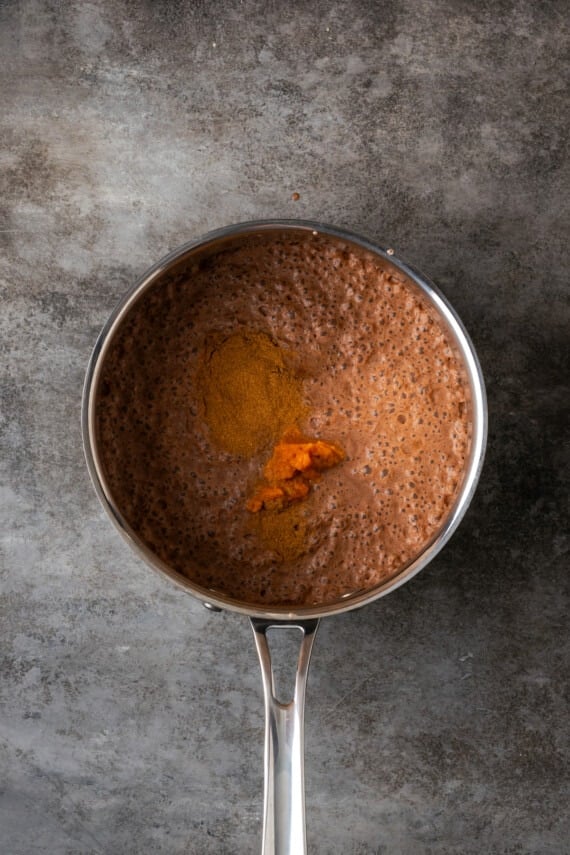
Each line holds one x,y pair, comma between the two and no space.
284,819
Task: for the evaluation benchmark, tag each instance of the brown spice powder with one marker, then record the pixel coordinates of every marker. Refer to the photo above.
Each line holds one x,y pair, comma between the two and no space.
250,396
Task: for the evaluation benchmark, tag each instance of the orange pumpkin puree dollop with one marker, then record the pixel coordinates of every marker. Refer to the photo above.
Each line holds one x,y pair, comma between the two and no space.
295,464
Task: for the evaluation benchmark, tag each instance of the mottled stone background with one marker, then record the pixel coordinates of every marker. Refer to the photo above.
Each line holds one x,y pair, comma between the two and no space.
131,719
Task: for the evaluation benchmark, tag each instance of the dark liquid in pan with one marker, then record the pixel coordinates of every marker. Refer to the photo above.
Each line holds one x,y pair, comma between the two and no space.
380,375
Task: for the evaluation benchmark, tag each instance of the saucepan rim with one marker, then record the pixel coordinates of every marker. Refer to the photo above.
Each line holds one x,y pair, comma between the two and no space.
215,599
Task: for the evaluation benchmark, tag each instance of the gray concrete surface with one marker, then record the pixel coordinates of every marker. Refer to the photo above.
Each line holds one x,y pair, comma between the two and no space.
131,719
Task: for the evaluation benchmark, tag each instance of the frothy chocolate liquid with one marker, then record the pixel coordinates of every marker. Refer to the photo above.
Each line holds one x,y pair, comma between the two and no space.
379,377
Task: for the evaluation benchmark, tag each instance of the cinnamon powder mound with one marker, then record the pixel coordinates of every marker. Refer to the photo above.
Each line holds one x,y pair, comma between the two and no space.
249,393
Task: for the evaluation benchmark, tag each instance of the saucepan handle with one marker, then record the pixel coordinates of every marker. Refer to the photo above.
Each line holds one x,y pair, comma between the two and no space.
284,801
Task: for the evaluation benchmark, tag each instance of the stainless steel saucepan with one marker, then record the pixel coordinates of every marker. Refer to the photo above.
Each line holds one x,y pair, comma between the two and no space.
284,820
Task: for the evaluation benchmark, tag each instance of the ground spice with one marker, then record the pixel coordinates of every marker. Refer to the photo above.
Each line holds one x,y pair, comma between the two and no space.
282,532
250,395
253,400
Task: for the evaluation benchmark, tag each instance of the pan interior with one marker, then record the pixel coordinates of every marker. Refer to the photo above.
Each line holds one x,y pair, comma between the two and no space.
384,373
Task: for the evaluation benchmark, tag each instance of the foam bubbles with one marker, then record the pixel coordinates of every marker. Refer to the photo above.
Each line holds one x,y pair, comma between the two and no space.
380,375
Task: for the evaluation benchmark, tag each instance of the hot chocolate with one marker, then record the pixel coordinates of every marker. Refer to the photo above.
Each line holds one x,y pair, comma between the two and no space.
369,370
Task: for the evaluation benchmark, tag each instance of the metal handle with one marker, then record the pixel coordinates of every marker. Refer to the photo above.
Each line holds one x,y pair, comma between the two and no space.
284,801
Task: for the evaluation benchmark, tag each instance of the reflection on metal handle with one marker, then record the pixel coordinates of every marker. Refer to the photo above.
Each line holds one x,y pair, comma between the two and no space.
284,803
